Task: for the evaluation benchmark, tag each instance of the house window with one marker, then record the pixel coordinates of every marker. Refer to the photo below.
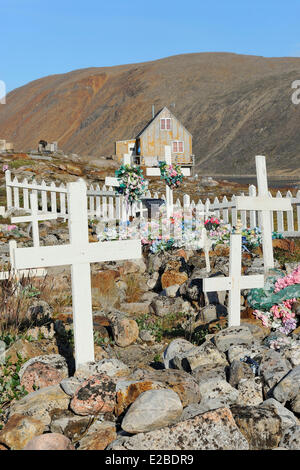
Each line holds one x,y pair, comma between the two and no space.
177,146
165,124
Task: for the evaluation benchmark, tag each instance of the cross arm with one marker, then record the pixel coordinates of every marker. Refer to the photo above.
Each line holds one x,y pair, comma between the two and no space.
252,282
261,203
28,218
62,255
213,284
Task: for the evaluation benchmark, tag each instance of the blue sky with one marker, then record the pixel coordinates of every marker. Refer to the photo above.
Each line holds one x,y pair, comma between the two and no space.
44,37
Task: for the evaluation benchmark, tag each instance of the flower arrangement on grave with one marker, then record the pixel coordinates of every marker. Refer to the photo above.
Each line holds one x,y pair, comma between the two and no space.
274,303
132,183
172,174
212,223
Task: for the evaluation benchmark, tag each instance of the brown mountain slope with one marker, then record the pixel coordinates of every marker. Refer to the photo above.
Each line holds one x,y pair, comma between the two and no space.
235,106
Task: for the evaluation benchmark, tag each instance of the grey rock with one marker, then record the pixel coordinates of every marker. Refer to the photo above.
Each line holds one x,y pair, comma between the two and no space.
214,430
291,438
192,410
70,385
152,409
180,381
146,336
295,404
206,354
162,306
55,360
260,426
208,372
172,291
288,419
292,354
289,386
41,403
255,351
39,312
209,313
175,348
234,335
110,367
239,371
250,392
50,239
217,393
70,425
273,368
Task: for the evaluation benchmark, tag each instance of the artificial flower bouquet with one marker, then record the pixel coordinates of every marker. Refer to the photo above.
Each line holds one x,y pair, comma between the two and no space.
132,183
212,223
273,304
172,174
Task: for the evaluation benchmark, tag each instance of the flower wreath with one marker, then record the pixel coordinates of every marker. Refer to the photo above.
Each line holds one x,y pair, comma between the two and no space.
132,183
172,174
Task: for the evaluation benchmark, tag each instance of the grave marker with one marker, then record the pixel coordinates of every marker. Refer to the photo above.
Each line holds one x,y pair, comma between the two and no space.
265,204
235,282
79,253
34,218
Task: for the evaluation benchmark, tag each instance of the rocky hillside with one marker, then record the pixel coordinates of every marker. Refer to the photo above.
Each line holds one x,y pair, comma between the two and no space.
235,106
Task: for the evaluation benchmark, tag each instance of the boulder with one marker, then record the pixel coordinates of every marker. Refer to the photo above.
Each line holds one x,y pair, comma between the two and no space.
111,367
287,418
233,335
39,404
43,371
260,426
39,375
70,384
295,404
273,368
239,371
172,277
28,349
39,312
180,381
204,355
250,392
177,347
288,387
129,390
291,438
19,430
200,433
96,395
217,393
125,331
72,426
99,435
152,409
205,373
51,441
162,306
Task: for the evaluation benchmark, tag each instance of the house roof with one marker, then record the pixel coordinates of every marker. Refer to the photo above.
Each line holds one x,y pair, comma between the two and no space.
156,115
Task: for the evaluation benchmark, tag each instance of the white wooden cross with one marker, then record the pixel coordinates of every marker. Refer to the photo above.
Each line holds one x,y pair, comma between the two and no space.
114,182
169,191
34,218
18,274
79,253
265,204
235,282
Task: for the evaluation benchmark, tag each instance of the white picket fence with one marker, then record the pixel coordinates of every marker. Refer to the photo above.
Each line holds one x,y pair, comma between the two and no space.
103,203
